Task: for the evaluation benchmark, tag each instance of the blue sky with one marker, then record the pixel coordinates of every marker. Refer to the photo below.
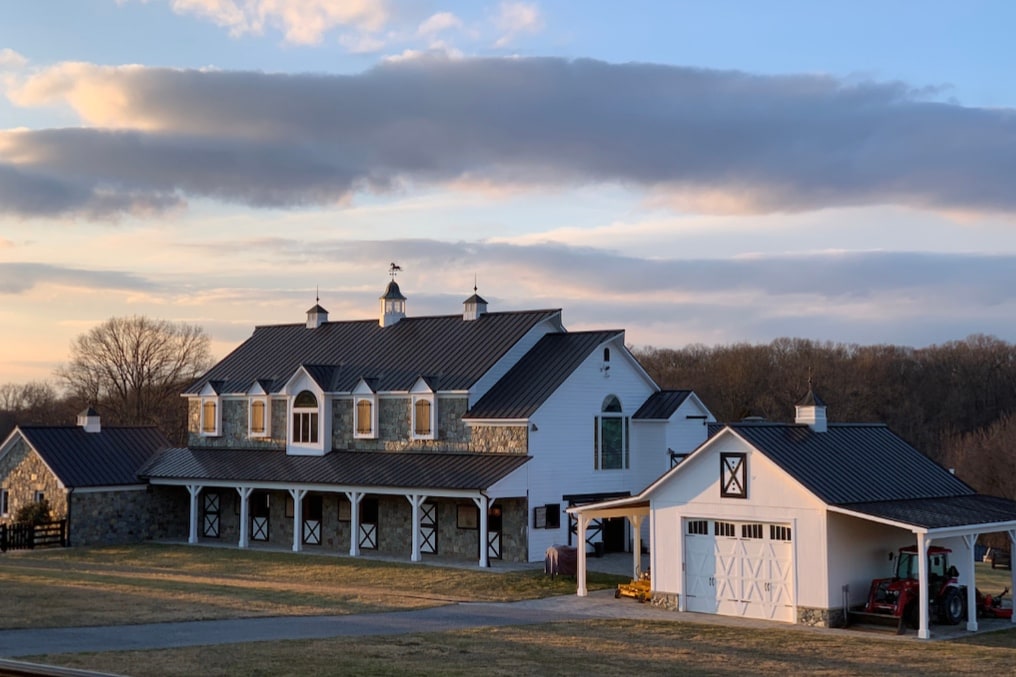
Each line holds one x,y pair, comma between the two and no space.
691,172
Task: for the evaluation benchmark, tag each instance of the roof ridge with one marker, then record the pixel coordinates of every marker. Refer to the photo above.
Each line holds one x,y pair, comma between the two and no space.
373,320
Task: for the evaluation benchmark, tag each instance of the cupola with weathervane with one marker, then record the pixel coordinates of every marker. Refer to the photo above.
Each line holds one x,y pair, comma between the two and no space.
474,306
393,303
811,411
317,315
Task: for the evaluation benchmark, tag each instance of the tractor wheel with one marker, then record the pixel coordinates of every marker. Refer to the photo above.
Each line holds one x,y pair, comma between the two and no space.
950,609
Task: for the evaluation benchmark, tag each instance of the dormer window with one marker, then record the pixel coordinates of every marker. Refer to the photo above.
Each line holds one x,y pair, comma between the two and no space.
259,417
305,418
210,416
424,415
365,415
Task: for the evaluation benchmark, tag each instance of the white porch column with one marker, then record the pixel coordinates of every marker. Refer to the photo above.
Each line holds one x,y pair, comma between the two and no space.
636,545
297,495
354,522
1012,569
483,505
923,542
970,540
580,572
244,530
194,490
416,500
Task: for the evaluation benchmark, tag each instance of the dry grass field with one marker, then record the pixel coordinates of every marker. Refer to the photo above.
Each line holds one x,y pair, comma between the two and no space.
147,583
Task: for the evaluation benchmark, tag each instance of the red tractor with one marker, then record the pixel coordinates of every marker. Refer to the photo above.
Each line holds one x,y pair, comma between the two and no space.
899,596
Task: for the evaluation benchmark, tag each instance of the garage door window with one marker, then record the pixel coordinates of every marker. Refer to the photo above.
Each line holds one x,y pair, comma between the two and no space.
723,529
779,533
751,531
698,527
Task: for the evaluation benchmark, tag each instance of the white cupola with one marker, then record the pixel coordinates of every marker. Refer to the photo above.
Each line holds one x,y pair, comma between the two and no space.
393,303
89,420
474,306
811,411
316,317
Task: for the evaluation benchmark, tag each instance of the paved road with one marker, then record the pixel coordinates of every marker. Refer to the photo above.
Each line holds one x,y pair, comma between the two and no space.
17,643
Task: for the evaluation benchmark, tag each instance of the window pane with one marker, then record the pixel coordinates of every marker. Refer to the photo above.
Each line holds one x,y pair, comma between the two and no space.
305,400
611,443
312,423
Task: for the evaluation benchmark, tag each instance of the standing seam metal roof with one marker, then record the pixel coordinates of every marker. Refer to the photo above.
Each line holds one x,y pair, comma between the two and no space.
528,384
662,404
852,463
418,470
110,457
453,351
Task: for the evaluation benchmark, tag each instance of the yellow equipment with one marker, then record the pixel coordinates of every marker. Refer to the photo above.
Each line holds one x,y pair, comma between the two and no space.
639,588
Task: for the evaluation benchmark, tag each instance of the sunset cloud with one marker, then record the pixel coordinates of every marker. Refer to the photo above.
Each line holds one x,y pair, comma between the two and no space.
690,139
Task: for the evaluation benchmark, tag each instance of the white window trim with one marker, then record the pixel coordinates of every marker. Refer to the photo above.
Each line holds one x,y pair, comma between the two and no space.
5,502
432,435
217,401
319,410
625,420
372,433
267,432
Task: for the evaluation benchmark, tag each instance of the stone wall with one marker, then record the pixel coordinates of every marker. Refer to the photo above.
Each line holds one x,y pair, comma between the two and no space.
109,517
501,439
394,426
821,618
234,426
665,600
22,473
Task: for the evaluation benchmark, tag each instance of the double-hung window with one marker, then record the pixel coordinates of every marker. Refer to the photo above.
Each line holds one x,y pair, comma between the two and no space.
610,437
305,418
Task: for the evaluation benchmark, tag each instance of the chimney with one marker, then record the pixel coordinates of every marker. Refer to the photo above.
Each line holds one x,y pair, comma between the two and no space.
89,420
316,317
393,305
474,307
811,411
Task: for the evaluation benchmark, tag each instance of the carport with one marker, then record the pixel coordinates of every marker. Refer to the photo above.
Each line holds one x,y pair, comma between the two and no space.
635,510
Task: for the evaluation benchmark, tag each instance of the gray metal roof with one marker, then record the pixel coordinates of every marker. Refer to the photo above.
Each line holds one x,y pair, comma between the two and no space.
453,351
662,405
944,512
410,470
852,462
529,383
108,458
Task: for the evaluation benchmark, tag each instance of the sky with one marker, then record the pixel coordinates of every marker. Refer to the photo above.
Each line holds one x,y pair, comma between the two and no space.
692,172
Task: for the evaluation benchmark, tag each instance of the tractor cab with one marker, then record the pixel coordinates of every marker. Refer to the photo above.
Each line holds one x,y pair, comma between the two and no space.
899,596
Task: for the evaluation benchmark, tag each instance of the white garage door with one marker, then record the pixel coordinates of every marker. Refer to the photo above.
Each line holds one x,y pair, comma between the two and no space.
739,569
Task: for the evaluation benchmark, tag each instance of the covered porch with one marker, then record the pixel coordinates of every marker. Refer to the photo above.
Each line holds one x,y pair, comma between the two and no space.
357,482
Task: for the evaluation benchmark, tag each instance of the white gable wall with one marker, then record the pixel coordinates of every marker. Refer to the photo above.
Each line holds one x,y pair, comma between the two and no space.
693,492
654,438
562,445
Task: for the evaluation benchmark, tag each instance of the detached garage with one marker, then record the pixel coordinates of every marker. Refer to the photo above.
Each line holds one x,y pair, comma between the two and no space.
791,522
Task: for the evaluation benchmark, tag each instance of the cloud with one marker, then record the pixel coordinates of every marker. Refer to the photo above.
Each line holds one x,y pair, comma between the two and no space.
11,60
515,19
715,141
438,23
303,22
18,278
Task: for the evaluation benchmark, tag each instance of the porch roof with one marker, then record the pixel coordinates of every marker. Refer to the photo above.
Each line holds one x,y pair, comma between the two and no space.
430,470
948,512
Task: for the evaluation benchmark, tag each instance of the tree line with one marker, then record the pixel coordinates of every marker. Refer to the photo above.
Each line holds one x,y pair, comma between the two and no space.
956,401
130,369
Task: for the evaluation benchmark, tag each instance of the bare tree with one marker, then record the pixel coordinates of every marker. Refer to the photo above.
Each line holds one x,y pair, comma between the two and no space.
133,369
31,403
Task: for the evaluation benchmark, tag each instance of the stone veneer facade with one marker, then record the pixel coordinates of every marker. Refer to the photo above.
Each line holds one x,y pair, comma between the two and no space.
820,618
107,516
24,473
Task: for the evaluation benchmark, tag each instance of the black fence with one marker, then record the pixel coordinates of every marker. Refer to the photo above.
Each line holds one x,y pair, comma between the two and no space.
22,536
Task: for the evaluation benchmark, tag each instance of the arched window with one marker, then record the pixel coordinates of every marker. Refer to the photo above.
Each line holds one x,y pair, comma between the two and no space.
610,436
606,354
305,418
